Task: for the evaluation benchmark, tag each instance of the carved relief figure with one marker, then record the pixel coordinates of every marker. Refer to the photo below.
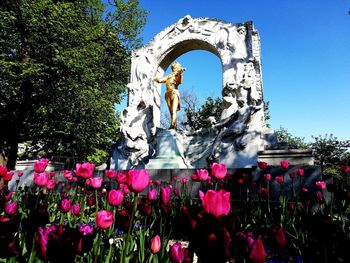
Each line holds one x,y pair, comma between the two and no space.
172,94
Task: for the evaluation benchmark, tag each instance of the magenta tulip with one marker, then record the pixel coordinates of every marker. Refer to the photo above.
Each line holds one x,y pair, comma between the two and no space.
96,182
40,165
121,178
165,194
202,175
85,170
51,183
20,174
262,165
300,172
216,203
41,238
152,194
110,174
11,208
279,179
75,209
86,229
104,219
284,164
138,180
218,170
257,253
3,171
8,176
41,179
115,197
267,177
281,239
321,184
65,205
345,169
183,180
67,174
155,244
176,253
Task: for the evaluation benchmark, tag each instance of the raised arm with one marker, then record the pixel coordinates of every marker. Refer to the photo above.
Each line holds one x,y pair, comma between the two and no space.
160,80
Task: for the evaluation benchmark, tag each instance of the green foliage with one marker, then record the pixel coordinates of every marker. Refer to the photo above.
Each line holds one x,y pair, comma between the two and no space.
197,119
328,150
285,137
64,64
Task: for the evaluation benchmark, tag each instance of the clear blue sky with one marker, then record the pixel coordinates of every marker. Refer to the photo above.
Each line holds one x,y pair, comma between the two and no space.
305,57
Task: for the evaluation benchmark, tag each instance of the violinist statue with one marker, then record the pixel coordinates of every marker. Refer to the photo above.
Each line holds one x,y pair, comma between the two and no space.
172,94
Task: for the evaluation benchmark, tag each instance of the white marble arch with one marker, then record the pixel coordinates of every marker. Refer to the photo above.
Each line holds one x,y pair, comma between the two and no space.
238,48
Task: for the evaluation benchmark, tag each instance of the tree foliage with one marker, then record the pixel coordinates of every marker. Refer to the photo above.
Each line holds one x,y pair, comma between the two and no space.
293,142
63,66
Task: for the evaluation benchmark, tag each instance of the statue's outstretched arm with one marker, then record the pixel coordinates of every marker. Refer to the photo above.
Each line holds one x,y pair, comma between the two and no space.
160,80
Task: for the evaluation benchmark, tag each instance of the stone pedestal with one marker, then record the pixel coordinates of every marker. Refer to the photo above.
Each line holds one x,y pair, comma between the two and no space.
293,156
169,151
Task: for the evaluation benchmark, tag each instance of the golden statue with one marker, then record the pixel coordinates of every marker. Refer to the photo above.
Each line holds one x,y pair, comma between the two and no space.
172,94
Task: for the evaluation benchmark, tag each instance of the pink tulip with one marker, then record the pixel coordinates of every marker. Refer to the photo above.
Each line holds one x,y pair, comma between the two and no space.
51,183
218,170
67,174
138,180
125,188
284,164
165,193
40,165
41,238
86,229
267,177
3,171
75,209
262,165
65,205
104,219
194,177
152,194
202,175
11,208
321,184
115,197
8,176
281,239
257,253
300,172
20,174
183,180
176,253
155,244
85,170
175,178
41,179
216,203
110,174
121,178
8,196
279,179
96,182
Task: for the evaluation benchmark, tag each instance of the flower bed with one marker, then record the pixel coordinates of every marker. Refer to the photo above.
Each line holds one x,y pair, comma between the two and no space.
130,218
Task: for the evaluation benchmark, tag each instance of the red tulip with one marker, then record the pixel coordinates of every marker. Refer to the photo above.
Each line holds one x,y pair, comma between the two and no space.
121,178
110,173
279,179
115,197
216,203
20,174
41,179
75,209
240,180
104,219
67,174
176,253
202,175
65,205
183,180
165,194
3,171
138,180
11,208
152,194
155,244
281,239
292,175
321,184
300,172
51,183
267,177
257,253
85,170
40,165
264,191
262,165
8,176
284,164
96,182
345,169
194,177
218,170
175,178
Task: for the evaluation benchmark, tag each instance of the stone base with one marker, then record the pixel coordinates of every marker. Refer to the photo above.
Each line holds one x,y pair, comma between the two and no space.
294,157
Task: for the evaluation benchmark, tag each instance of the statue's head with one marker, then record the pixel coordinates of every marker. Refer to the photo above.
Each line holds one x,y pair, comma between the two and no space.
176,66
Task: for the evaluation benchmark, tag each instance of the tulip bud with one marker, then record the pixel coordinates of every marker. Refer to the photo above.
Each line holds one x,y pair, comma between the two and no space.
155,244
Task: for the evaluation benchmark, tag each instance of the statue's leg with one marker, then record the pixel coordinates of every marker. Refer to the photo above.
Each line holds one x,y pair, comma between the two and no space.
174,107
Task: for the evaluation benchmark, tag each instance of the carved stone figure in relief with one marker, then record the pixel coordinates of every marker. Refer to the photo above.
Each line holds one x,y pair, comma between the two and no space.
172,94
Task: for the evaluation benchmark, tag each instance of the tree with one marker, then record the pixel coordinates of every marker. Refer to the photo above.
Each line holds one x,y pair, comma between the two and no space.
293,142
64,64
